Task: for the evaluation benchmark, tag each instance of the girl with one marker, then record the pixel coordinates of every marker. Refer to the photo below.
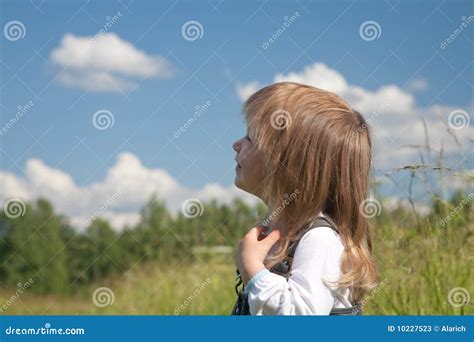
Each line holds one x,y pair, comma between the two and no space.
307,155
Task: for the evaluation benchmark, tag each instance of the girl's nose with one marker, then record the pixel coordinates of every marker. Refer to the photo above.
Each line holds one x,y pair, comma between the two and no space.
236,146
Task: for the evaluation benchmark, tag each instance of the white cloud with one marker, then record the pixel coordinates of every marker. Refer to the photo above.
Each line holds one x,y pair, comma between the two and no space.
392,203
318,75
96,81
390,110
245,90
127,187
105,63
418,84
391,97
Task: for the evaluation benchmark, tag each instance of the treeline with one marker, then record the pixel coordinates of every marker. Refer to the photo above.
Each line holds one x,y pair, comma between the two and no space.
43,246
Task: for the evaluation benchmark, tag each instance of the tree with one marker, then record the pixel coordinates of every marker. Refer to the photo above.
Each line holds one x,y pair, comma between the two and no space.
37,250
105,250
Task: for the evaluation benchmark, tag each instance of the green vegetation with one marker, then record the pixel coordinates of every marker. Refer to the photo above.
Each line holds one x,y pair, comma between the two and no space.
155,267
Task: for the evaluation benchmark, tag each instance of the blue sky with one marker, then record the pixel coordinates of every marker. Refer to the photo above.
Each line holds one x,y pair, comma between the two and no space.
57,132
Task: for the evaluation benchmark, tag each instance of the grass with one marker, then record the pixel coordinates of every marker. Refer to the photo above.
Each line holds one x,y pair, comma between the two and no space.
419,266
196,288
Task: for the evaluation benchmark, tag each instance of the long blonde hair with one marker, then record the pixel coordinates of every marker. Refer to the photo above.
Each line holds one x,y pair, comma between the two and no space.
317,151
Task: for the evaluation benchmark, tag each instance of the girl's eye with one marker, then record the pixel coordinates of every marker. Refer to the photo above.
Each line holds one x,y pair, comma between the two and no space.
248,138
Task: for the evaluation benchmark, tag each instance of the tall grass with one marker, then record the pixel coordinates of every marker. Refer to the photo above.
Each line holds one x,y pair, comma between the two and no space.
418,269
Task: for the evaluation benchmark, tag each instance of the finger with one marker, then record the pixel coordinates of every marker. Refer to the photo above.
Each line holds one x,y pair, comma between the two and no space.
273,237
275,234
252,234
257,230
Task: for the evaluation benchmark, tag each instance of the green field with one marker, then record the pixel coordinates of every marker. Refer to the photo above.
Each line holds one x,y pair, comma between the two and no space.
418,270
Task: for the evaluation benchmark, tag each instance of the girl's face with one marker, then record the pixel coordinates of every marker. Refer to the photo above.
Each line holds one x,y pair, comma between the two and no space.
250,167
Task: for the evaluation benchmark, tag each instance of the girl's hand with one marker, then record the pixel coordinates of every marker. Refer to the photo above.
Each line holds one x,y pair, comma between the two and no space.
251,252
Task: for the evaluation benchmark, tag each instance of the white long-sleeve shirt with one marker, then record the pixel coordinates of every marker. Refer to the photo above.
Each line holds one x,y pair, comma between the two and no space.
316,260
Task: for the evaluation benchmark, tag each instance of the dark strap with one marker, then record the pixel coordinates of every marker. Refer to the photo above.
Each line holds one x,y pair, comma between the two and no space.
283,268
353,310
241,308
319,222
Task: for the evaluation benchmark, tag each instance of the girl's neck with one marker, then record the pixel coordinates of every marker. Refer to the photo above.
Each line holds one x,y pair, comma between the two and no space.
270,217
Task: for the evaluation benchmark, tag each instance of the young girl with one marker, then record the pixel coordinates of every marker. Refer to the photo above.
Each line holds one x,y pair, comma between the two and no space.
307,155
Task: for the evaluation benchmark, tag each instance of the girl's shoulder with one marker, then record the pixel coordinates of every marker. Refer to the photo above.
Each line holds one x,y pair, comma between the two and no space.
322,228
321,236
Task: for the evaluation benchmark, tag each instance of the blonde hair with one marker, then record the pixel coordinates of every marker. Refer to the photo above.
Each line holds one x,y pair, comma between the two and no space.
316,146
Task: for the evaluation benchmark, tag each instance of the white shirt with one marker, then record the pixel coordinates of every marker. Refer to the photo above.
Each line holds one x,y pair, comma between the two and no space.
316,260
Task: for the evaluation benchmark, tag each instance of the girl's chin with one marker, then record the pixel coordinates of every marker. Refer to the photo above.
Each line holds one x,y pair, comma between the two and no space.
238,182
